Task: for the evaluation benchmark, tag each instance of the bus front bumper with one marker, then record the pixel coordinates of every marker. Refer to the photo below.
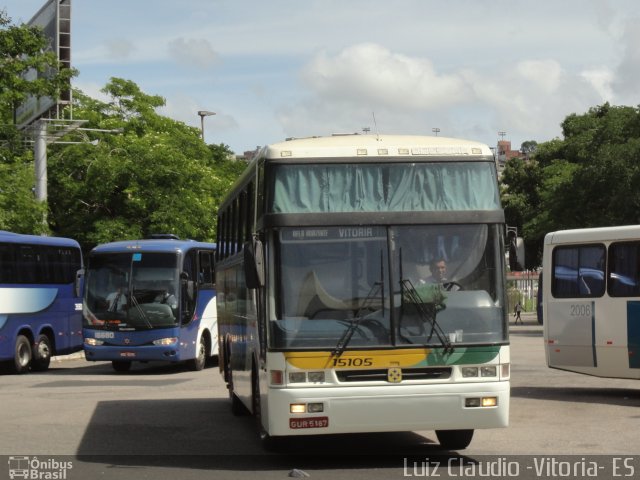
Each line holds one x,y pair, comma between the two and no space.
387,409
166,353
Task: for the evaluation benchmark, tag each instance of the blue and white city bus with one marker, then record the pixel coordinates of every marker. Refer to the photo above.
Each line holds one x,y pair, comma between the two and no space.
152,299
40,299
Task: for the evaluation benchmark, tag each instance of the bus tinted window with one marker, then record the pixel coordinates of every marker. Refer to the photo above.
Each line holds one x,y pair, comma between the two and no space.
624,270
578,271
398,187
38,264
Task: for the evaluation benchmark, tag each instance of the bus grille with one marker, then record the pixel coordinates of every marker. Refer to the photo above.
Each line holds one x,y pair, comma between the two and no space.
435,373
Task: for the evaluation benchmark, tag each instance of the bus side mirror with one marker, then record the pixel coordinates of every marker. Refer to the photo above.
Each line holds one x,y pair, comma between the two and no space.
254,264
516,254
77,287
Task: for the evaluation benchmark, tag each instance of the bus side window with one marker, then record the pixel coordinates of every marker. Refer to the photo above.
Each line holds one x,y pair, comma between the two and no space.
206,272
624,269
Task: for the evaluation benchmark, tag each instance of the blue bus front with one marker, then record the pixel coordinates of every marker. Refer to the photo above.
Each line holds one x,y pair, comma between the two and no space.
133,306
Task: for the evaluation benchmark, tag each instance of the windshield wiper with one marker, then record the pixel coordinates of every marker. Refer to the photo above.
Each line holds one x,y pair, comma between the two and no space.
409,293
355,322
135,303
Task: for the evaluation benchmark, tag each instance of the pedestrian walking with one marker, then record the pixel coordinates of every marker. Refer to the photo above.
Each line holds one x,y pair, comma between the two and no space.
516,313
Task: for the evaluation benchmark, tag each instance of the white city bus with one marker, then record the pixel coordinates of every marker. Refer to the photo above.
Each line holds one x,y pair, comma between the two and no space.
325,325
591,301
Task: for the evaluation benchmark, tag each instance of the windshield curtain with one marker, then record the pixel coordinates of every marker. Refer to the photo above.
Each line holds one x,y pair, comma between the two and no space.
399,187
388,286
129,291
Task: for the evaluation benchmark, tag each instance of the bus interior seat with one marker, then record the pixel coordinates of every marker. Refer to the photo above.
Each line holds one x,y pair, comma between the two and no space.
314,299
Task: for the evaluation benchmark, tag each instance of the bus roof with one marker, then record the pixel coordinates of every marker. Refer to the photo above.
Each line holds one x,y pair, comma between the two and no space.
600,234
372,146
10,237
151,245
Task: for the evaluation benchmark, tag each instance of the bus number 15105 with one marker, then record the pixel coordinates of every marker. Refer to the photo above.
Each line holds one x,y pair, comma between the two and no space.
353,362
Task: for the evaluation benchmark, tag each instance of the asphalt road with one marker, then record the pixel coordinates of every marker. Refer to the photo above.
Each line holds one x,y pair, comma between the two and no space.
165,422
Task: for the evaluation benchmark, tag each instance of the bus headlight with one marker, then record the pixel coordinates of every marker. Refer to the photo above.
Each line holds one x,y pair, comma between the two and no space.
316,377
298,408
489,401
476,402
93,342
306,407
297,377
468,372
303,377
488,371
166,341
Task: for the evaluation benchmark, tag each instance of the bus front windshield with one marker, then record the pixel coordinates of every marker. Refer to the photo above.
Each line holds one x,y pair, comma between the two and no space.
371,286
131,291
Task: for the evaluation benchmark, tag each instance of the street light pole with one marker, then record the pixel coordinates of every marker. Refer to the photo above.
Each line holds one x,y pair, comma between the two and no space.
40,160
204,113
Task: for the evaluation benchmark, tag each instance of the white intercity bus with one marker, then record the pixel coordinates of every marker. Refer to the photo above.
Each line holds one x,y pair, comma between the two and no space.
328,322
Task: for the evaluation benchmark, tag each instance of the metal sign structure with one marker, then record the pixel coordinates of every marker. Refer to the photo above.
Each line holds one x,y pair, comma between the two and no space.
54,17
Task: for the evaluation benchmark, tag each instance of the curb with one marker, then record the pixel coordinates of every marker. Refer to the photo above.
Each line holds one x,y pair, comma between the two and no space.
71,356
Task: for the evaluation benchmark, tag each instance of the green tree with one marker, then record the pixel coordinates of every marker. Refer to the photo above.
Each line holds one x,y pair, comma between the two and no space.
586,179
520,190
157,176
601,151
529,147
22,48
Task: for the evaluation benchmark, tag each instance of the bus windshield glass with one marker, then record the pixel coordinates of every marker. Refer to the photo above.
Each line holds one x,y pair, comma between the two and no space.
389,286
131,291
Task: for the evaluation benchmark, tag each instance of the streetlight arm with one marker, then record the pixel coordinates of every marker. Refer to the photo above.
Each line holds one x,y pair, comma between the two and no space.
202,114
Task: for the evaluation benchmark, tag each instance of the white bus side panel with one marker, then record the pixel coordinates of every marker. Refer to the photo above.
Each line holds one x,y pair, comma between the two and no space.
210,322
591,337
570,334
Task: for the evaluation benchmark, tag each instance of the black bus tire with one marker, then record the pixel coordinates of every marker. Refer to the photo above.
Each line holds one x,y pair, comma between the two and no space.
22,355
41,354
454,439
198,363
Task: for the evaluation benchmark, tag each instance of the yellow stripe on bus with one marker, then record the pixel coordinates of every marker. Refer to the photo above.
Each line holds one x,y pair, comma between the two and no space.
360,358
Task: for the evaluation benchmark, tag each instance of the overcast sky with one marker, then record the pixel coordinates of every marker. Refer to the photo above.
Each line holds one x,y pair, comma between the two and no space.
272,69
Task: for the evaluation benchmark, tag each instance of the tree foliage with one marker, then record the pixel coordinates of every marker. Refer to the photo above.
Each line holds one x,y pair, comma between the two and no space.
157,176
586,179
529,147
22,48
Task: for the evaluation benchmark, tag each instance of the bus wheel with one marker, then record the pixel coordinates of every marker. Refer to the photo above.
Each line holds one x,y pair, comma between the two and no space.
120,366
198,363
22,355
41,354
454,439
